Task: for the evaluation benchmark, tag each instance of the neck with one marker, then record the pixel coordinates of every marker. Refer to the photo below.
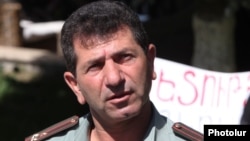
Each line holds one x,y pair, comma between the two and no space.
133,129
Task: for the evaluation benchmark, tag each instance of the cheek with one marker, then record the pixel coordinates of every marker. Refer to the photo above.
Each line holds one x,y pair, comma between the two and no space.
90,87
138,73
86,87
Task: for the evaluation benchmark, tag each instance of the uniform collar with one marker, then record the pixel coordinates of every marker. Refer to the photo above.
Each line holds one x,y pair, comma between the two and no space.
157,122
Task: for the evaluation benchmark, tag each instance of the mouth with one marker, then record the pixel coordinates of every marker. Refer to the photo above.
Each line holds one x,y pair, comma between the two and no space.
119,97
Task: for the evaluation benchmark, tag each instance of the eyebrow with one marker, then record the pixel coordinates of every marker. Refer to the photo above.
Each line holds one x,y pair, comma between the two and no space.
124,50
98,58
92,61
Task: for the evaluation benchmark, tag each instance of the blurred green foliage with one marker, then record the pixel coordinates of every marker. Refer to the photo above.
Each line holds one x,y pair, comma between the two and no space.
26,108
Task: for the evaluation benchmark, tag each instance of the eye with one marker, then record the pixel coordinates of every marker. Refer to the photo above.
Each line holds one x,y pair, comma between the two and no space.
125,58
95,67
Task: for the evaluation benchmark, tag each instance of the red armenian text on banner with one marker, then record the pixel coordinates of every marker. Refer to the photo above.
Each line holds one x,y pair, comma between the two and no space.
197,96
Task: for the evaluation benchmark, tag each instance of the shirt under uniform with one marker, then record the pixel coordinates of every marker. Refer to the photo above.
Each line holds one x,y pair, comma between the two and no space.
160,129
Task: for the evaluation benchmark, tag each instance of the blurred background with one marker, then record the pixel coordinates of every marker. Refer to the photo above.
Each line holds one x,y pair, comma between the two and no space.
209,34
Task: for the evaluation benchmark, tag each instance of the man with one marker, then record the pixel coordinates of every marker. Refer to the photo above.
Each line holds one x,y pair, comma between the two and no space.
111,67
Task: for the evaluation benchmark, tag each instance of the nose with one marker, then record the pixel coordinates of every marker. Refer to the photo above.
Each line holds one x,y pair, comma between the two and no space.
113,74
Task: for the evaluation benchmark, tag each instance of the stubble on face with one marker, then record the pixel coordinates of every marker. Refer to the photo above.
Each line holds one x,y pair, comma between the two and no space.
138,80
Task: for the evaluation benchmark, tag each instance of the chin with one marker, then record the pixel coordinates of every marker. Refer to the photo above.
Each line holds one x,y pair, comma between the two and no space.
130,111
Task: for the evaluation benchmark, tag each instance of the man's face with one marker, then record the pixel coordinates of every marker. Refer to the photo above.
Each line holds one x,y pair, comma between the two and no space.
113,75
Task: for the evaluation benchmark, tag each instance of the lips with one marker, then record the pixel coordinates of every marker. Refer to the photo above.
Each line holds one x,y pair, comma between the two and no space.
120,95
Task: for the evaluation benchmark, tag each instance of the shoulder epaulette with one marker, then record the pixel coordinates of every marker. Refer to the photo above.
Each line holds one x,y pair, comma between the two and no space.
54,129
187,132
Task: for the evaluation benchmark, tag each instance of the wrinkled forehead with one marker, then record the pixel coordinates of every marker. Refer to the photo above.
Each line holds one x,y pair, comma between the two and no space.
89,42
93,40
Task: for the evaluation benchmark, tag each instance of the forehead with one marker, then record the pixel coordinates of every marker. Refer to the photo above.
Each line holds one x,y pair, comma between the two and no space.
93,41
101,47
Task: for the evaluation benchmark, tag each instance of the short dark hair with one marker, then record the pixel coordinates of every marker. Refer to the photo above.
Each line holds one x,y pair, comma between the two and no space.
99,18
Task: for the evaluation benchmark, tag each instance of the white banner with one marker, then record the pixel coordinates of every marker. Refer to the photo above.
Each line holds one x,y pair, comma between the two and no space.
196,96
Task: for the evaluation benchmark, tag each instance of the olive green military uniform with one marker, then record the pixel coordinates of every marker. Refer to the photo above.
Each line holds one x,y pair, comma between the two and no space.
160,129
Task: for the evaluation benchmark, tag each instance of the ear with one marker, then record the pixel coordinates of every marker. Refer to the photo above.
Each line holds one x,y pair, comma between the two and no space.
151,54
72,83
